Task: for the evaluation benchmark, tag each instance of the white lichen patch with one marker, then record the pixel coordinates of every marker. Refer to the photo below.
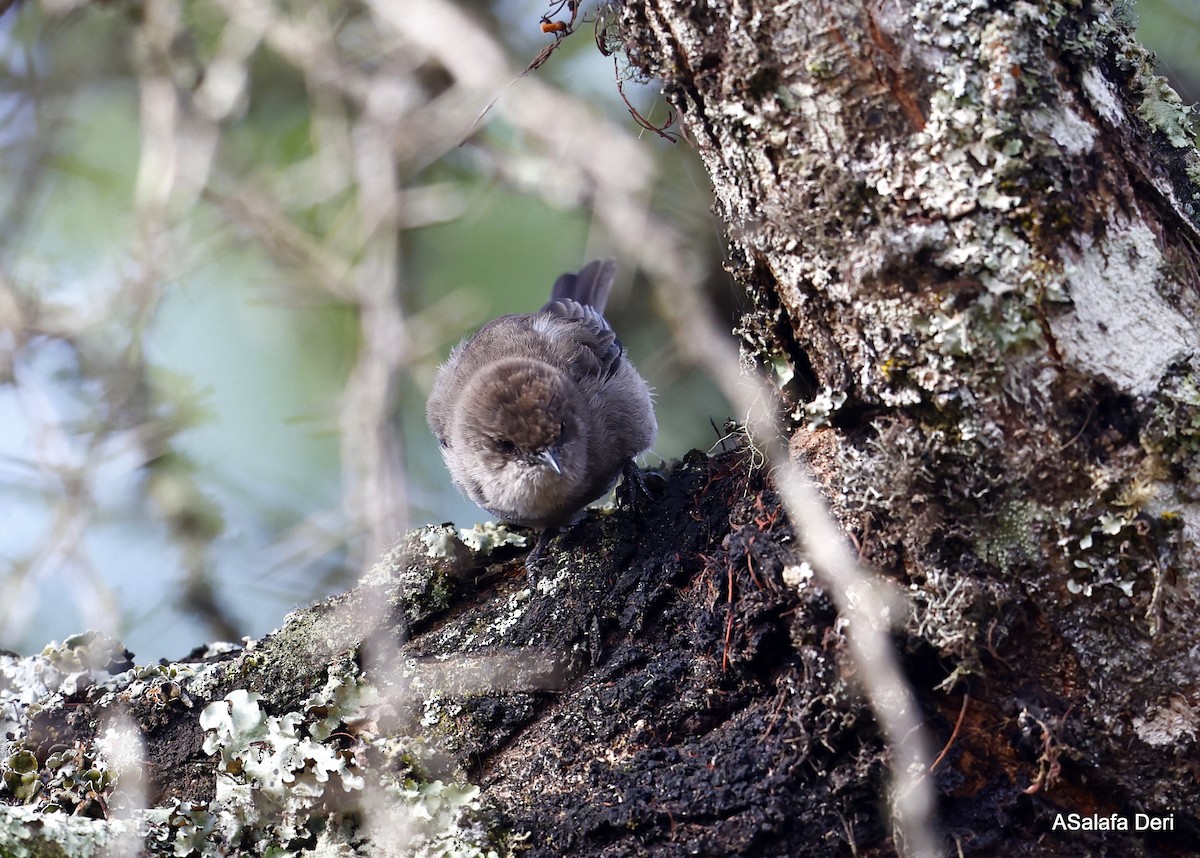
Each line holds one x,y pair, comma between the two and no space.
815,108
821,409
1189,515
1168,726
1102,96
486,537
962,152
344,698
550,584
436,708
72,836
515,607
1074,134
1119,326
274,778
1088,588
942,24
279,777
58,671
1164,111
940,610
270,768
439,540
798,577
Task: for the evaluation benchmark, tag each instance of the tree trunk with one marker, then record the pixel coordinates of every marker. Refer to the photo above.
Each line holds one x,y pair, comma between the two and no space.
969,239
971,234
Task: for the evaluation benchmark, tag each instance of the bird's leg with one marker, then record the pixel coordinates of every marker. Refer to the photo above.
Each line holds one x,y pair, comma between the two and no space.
632,493
533,558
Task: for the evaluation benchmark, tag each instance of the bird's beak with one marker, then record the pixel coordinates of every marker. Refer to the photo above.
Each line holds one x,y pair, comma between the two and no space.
547,458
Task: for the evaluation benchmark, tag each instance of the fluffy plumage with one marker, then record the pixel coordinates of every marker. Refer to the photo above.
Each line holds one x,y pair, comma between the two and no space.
538,413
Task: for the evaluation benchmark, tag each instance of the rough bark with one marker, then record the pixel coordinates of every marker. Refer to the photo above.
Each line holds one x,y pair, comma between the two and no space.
970,231
969,240
673,684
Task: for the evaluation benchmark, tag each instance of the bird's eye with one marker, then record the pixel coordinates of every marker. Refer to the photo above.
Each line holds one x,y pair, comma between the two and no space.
443,443
505,446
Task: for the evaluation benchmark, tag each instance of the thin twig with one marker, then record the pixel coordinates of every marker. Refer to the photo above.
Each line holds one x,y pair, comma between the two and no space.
954,733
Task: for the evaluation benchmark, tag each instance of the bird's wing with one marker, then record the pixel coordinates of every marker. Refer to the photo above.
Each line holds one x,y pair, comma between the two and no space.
595,350
579,299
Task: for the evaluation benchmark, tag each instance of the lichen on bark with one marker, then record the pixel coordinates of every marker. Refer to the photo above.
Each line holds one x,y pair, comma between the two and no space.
969,234
971,231
680,686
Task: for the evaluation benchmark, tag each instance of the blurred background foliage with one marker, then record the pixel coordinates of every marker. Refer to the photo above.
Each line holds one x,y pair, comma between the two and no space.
236,239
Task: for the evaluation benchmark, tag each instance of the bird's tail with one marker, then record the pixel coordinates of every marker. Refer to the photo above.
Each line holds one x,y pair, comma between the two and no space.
589,287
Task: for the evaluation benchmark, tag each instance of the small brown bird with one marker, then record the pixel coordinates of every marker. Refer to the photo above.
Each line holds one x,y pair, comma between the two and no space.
538,414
